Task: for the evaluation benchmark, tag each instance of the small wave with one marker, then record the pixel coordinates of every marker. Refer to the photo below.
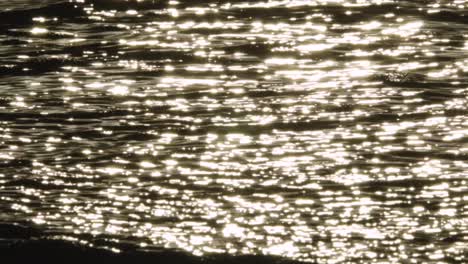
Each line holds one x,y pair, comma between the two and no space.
22,14
22,242
16,5
395,77
125,5
449,16
39,65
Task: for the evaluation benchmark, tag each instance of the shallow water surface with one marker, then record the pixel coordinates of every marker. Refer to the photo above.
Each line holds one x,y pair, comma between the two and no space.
322,131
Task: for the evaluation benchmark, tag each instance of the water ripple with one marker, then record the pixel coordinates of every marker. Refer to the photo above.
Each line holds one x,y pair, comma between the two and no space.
321,131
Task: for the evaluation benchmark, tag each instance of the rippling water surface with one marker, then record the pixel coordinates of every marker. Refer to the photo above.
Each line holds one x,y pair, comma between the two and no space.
316,130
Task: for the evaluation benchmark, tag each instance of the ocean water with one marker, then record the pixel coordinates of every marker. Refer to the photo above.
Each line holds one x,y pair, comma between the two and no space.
325,131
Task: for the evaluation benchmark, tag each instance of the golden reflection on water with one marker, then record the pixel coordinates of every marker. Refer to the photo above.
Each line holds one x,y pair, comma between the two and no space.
212,130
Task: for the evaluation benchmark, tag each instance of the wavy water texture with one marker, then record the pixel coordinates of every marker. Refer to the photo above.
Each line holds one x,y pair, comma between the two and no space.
320,131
